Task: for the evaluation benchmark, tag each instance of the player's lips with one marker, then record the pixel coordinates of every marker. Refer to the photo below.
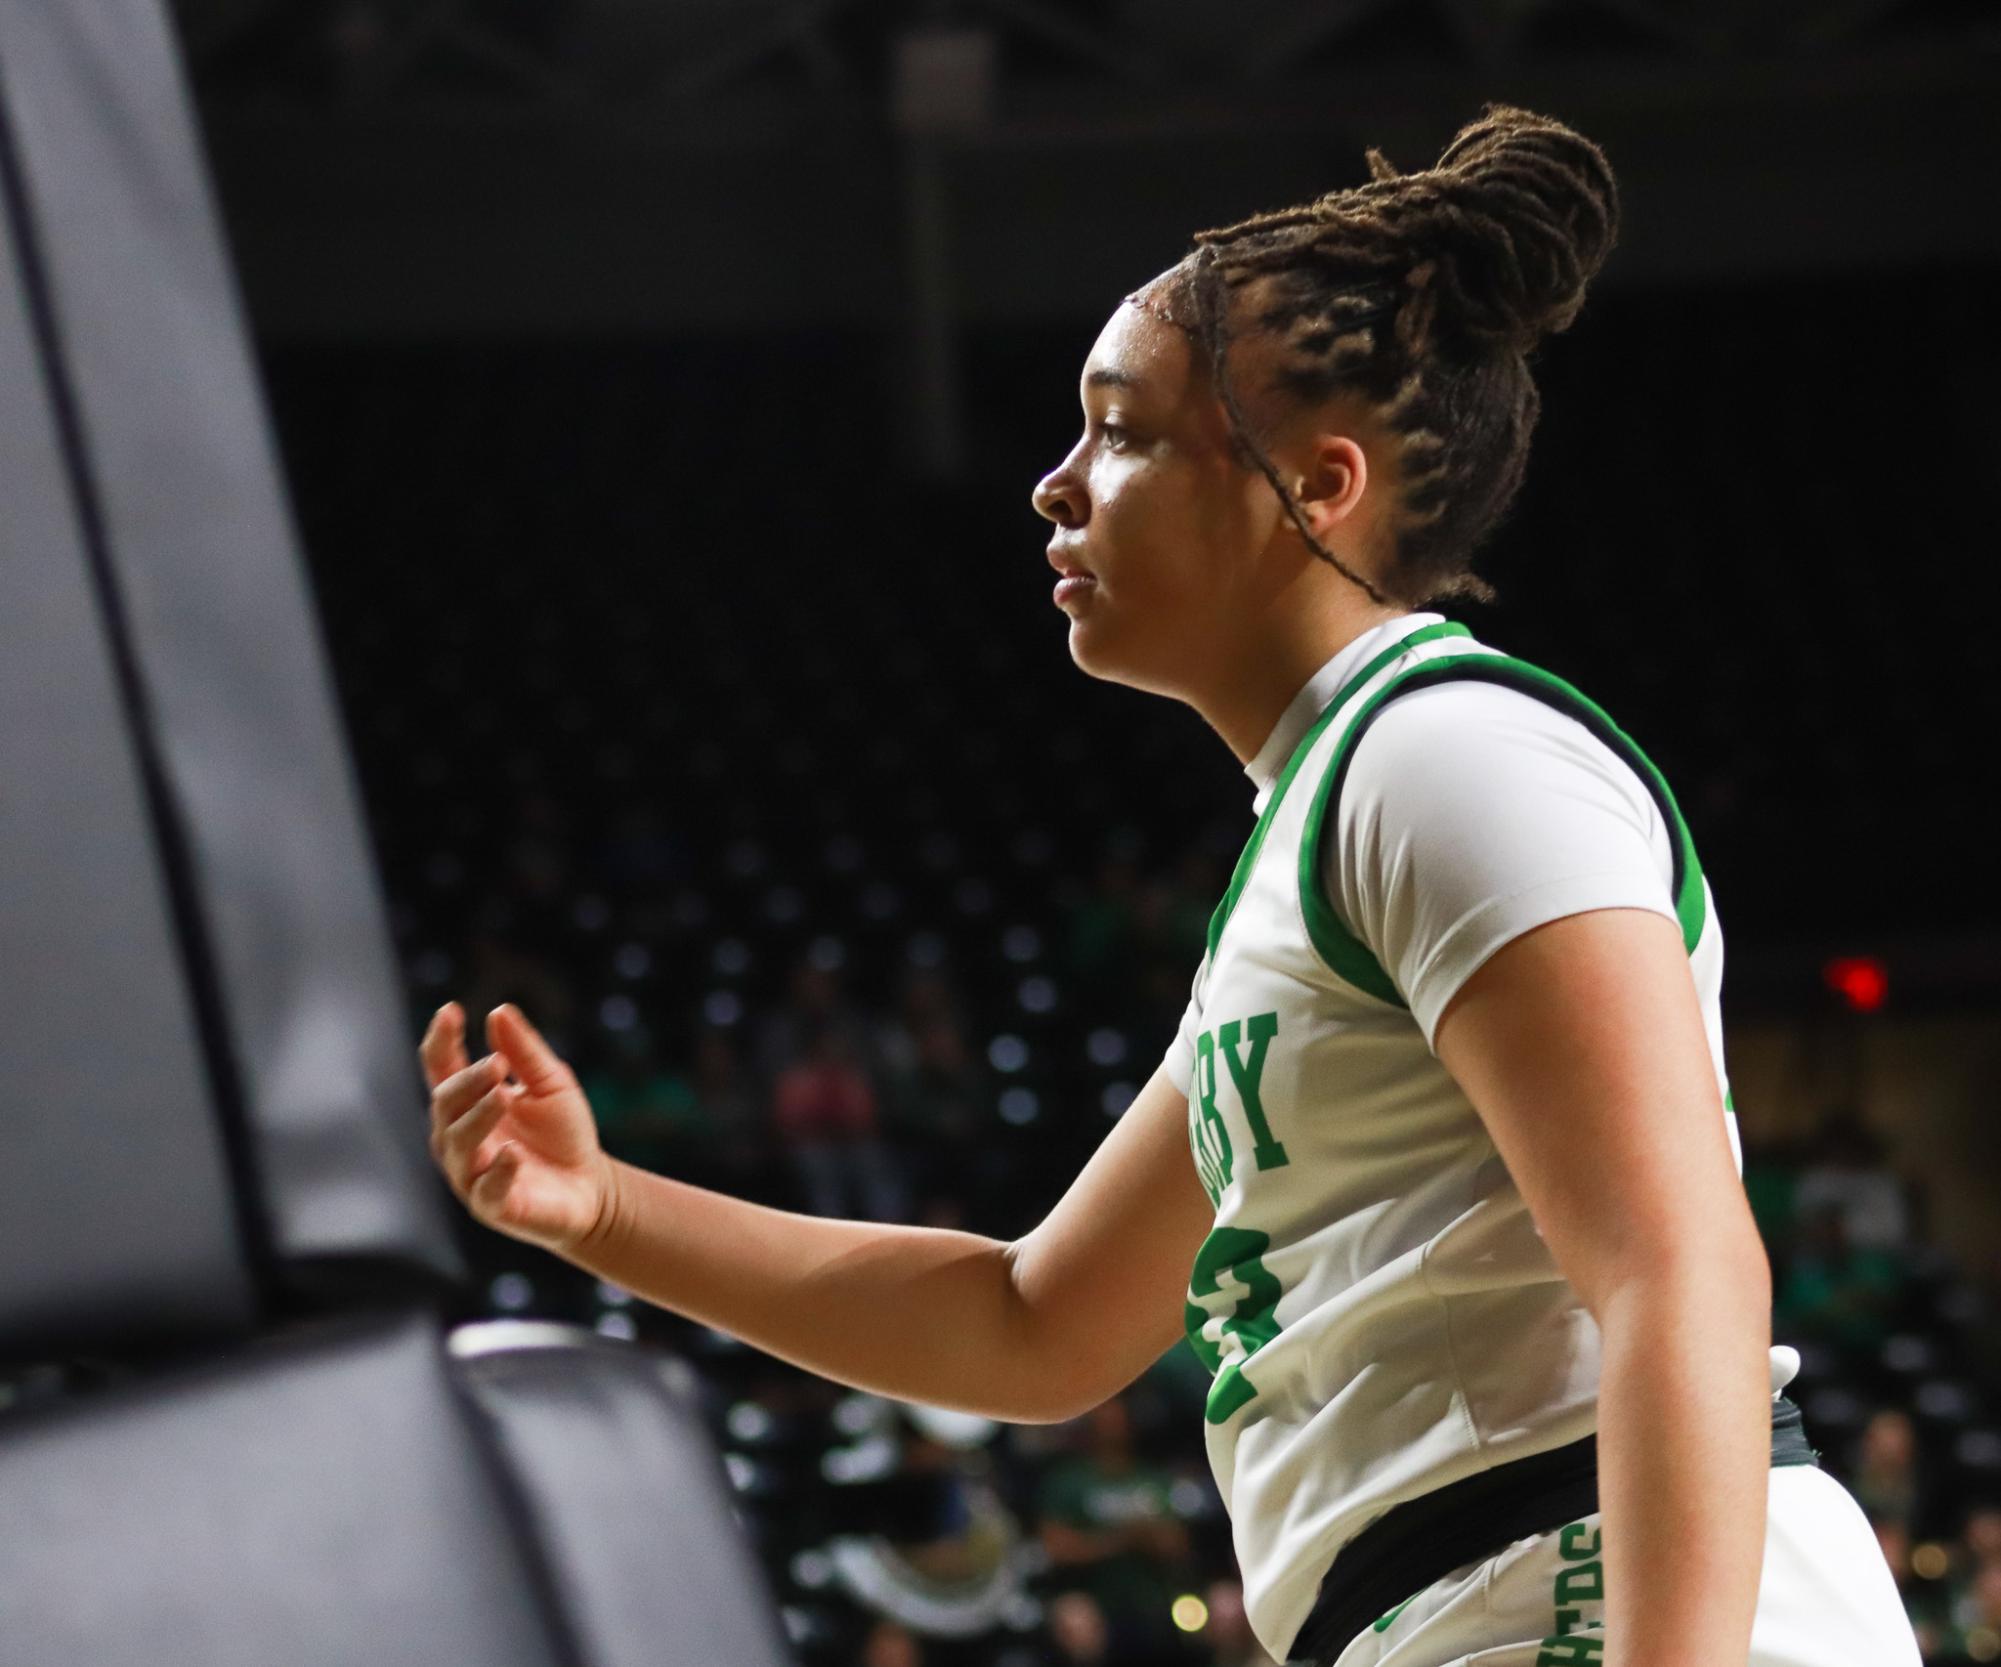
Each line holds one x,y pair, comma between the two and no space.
1076,579
1067,564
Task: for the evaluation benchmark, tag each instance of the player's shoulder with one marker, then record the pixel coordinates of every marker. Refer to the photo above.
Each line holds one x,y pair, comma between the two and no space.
1476,740
1464,719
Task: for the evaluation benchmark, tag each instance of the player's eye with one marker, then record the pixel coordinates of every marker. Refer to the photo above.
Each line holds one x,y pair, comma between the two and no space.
1116,436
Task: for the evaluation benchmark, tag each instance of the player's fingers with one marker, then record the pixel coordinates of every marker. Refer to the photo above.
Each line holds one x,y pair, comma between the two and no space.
462,1138
443,1049
443,1038
488,1191
451,1099
468,1130
535,1063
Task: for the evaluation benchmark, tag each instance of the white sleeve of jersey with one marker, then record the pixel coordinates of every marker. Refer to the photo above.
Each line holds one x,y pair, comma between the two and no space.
1473,812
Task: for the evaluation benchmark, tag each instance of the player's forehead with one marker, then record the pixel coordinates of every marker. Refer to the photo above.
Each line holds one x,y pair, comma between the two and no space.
1170,295
1144,347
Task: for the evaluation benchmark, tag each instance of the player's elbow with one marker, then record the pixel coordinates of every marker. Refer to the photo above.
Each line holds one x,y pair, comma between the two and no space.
1724,1269
1052,1398
1052,1384
1071,1351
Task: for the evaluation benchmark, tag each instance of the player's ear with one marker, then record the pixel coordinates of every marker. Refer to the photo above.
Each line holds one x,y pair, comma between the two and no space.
1333,476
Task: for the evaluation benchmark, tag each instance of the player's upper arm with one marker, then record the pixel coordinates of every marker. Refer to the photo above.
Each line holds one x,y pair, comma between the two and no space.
1581,1045
1104,1276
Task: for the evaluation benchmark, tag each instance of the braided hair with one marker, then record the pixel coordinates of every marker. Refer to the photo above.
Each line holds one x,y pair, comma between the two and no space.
1426,292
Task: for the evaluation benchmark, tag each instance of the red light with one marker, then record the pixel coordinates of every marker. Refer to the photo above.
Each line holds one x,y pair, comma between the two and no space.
1860,980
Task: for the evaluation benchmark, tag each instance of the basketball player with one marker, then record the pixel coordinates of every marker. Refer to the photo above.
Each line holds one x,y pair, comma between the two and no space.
1440,1174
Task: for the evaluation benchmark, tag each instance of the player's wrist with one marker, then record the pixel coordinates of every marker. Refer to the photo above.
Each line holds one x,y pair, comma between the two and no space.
608,1224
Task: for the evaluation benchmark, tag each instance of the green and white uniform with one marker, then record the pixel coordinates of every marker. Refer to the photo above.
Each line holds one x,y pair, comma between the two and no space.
1379,1312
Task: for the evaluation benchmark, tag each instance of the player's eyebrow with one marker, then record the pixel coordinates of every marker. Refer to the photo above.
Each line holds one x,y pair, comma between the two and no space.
1106,378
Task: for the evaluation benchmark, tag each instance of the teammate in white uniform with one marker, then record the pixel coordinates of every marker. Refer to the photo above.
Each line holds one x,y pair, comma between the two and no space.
1440,1174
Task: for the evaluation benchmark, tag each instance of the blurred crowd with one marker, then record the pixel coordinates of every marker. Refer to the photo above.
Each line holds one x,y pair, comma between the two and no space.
1895,1360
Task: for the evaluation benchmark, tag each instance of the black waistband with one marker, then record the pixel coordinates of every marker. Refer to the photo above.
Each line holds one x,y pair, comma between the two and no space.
1412,1544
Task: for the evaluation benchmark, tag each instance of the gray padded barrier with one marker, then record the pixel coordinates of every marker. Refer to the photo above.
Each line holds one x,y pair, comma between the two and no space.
215,1120
173,492
354,1493
631,1503
321,1499
119,1220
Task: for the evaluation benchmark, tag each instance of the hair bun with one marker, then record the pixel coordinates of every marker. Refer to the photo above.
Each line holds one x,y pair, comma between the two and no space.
1513,222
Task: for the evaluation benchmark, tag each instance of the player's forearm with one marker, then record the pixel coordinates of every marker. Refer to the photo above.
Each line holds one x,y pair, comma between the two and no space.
919,1313
1684,1457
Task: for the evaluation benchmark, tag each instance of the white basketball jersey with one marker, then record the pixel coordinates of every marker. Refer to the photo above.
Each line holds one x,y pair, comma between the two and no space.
1379,1313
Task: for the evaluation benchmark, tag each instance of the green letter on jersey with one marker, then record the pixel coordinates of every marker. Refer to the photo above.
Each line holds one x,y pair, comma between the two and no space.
1269,1153
1577,1642
1214,1146
1232,1252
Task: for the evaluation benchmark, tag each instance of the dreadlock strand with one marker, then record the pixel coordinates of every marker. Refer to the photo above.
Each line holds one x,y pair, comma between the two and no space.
1211,312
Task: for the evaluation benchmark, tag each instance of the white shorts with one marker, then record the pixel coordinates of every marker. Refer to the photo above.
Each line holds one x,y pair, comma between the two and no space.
1826,1597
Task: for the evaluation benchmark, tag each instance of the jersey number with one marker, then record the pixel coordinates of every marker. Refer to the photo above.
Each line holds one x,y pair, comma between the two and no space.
1232,1253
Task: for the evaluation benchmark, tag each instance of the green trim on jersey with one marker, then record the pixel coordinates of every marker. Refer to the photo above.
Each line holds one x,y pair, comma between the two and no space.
1240,877
1389,1620
1351,959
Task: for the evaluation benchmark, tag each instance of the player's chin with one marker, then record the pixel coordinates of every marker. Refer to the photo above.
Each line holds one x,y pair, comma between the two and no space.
1103,647
1094,645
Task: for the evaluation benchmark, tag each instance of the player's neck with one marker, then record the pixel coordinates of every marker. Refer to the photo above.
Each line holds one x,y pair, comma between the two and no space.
1267,665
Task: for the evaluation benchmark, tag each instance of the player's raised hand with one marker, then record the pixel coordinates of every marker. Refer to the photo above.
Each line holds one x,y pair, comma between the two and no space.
522,1156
